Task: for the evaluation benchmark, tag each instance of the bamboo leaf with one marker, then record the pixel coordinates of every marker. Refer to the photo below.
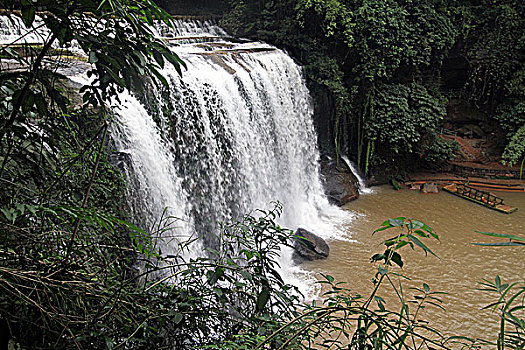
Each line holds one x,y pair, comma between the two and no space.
262,299
397,221
501,244
421,245
503,235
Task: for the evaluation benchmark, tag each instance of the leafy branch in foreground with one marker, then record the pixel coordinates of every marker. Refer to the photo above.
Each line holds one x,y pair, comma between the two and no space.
346,320
43,116
509,306
510,303
95,297
67,258
513,240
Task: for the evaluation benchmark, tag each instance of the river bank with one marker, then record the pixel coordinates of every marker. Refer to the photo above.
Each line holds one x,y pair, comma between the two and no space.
487,176
443,178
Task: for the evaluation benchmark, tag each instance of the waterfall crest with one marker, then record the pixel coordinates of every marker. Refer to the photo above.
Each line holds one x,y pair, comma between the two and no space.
14,31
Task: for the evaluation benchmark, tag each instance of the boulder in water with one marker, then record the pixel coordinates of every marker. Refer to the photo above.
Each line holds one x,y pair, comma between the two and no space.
429,187
340,184
309,246
415,186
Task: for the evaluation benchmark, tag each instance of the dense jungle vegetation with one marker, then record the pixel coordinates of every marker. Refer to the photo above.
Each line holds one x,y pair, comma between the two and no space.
76,274
382,72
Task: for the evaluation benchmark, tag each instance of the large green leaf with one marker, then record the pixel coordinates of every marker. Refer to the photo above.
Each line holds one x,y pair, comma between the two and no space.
262,299
503,235
28,15
421,245
396,257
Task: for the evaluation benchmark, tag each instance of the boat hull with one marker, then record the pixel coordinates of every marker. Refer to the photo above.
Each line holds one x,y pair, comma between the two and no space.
503,208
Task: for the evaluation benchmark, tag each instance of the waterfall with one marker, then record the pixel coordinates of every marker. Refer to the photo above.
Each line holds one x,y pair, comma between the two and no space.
362,183
231,135
14,31
190,28
154,188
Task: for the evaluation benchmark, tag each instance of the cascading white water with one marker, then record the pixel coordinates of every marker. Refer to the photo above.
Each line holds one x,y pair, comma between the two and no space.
13,31
191,28
363,189
238,135
247,138
232,135
155,189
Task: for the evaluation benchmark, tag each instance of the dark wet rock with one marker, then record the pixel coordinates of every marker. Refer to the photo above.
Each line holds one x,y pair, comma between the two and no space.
122,160
461,111
430,188
340,184
309,246
471,130
379,179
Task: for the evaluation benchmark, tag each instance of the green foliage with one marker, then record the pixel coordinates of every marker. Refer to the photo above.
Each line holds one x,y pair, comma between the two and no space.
511,117
82,290
326,72
510,299
439,150
515,150
404,119
382,35
236,290
71,289
233,20
335,18
511,114
494,47
66,271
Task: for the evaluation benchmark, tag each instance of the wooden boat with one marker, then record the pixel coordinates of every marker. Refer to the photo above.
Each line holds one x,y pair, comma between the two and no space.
484,198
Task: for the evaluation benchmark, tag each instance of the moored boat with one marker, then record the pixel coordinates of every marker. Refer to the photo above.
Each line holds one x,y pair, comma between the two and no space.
484,198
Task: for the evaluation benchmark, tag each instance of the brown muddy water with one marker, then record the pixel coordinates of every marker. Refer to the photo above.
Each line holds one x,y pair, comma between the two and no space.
460,265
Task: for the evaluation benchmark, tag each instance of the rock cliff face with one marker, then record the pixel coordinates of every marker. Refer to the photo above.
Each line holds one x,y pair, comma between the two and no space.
309,246
340,184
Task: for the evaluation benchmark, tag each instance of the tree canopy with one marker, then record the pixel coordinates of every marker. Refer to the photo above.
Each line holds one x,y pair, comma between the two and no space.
359,54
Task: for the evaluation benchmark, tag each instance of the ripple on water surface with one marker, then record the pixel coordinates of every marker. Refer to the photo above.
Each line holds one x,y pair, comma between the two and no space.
460,265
